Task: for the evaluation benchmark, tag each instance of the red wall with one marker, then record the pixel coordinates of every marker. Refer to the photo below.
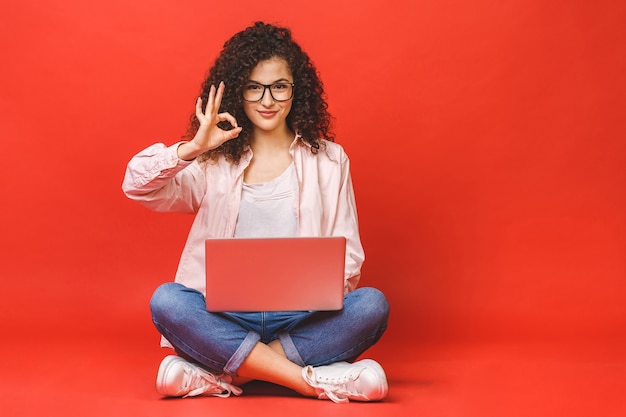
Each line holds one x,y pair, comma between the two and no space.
487,141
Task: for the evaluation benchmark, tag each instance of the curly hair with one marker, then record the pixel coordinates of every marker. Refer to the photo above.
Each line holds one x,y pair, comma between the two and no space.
309,115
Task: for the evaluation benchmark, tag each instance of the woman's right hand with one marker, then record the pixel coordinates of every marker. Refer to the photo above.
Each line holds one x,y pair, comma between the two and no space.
209,135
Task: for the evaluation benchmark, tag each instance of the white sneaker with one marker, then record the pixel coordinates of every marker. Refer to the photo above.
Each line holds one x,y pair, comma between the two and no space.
179,378
340,382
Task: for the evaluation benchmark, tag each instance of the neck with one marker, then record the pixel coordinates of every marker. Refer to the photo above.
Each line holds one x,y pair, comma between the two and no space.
271,141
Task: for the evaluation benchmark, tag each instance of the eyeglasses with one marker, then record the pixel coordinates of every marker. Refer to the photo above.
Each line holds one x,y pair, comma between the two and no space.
281,91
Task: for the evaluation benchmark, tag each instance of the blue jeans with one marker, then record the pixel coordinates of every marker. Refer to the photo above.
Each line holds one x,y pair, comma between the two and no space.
220,342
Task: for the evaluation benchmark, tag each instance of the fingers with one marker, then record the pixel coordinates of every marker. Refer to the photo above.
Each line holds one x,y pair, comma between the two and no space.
219,95
209,110
210,116
232,134
199,108
214,100
227,117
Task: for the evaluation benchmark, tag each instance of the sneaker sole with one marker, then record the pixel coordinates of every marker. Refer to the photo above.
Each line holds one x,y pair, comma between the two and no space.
380,373
162,375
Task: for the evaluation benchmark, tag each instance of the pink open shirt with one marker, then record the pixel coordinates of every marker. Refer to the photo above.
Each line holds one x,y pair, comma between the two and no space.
159,180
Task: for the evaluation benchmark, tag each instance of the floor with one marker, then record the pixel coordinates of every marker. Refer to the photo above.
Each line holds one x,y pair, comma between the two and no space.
110,372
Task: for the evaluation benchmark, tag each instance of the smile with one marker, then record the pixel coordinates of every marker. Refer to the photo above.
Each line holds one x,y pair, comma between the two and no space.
267,114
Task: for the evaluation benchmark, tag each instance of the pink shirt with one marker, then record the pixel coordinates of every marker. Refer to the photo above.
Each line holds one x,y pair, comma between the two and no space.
325,203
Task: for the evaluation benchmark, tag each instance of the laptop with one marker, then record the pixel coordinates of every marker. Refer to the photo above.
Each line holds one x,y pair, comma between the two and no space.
275,274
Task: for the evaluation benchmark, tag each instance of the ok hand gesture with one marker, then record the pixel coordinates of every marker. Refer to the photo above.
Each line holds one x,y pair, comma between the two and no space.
209,135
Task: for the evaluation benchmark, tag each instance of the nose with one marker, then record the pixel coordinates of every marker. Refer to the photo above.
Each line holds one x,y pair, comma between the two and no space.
267,100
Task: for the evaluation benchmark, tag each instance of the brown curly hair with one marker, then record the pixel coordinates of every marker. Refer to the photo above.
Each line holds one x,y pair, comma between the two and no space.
309,115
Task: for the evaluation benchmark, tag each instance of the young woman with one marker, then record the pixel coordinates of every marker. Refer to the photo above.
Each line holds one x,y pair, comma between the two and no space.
259,160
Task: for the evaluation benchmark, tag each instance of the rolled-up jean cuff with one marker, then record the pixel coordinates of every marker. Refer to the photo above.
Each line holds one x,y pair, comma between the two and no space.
242,352
290,349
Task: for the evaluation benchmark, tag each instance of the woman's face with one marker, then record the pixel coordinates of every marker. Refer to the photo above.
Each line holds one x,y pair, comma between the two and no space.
267,115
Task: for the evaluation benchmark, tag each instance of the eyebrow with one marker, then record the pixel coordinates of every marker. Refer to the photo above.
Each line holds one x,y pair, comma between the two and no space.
273,82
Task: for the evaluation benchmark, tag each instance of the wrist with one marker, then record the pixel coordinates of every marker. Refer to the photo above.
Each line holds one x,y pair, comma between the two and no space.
189,151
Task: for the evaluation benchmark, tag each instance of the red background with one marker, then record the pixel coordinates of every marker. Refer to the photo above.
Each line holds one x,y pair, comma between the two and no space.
486,139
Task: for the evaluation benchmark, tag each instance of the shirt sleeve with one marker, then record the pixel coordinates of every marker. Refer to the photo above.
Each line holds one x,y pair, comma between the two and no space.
158,179
347,224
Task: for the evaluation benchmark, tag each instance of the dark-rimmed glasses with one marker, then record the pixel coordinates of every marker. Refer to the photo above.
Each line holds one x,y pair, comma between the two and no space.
280,91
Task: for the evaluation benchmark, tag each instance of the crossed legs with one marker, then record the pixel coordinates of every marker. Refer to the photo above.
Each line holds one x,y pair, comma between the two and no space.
223,344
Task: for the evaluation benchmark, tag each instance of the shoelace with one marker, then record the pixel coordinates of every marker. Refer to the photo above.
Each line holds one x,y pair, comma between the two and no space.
206,382
338,389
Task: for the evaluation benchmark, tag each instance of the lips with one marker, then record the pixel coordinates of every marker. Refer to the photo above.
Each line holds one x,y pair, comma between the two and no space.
267,114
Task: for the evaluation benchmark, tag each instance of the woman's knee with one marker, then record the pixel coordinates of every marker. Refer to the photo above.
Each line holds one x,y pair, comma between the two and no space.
372,303
164,298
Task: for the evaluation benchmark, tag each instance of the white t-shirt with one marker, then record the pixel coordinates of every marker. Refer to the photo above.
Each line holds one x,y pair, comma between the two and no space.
267,209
